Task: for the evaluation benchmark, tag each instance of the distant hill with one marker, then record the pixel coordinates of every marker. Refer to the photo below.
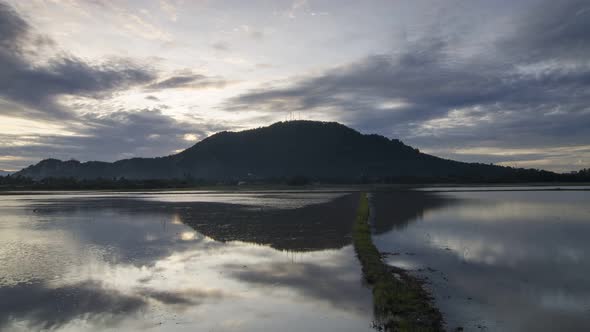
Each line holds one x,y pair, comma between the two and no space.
4,173
311,149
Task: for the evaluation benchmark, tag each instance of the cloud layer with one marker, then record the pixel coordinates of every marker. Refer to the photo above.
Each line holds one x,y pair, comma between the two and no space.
189,80
38,85
110,137
458,79
528,88
36,76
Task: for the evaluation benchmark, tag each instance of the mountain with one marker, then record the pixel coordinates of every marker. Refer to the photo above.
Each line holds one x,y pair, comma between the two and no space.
319,150
4,173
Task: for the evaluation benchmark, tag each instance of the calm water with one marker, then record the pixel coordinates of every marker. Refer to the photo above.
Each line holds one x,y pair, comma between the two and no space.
268,261
496,261
180,261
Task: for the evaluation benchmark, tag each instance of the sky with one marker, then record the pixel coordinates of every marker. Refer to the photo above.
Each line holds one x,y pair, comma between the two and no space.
503,82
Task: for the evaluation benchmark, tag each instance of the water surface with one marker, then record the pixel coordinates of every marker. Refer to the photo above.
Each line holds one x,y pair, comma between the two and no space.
497,261
180,261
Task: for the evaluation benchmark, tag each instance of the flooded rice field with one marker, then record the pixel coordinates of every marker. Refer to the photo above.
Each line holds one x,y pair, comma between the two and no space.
495,261
181,261
269,261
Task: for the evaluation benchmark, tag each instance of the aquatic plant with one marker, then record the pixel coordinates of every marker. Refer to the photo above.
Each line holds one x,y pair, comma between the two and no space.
400,302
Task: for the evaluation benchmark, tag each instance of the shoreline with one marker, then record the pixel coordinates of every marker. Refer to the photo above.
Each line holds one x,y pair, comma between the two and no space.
434,187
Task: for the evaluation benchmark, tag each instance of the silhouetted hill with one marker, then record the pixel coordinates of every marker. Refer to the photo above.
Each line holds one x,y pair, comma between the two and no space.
315,150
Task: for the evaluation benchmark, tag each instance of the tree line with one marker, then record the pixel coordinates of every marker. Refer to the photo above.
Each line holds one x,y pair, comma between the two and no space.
70,183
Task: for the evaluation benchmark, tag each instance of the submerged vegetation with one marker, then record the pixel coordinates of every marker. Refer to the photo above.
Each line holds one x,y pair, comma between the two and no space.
400,302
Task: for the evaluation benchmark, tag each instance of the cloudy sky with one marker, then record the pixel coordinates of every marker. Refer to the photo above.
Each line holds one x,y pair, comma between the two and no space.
504,82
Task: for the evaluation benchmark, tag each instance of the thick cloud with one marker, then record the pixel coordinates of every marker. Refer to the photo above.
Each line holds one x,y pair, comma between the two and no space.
554,30
473,74
33,82
529,87
12,26
106,137
37,84
35,73
189,80
221,46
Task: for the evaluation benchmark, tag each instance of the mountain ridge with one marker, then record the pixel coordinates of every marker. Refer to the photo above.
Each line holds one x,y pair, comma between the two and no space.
321,150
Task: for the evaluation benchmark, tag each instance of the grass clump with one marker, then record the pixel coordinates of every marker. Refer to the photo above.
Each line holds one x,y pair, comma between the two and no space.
400,303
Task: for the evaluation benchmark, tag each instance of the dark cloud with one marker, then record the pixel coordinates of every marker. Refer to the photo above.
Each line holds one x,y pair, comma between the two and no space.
107,137
12,27
154,98
221,46
37,85
424,85
554,30
520,80
32,81
191,81
531,87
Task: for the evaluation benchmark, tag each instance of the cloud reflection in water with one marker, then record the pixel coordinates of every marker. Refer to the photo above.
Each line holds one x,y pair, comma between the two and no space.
133,264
